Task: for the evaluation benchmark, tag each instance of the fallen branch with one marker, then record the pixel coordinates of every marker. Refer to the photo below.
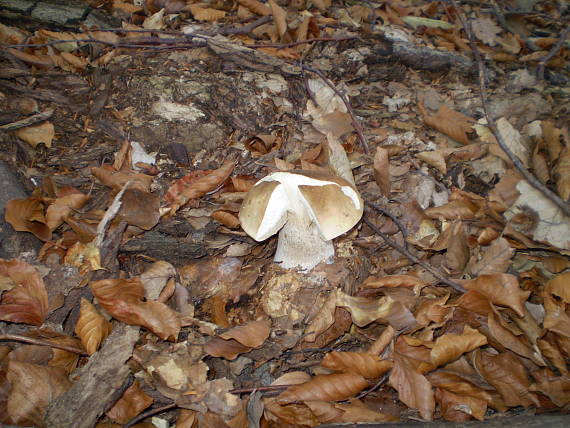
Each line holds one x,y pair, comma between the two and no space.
491,121
414,259
28,121
40,342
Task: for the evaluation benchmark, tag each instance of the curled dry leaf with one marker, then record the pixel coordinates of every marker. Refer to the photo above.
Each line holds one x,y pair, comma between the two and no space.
206,14
122,298
501,289
508,340
495,259
27,301
69,199
37,134
226,218
459,408
508,375
334,387
358,412
133,402
382,171
256,7
366,365
228,349
451,346
556,318
393,281
139,208
449,122
385,309
154,279
252,334
27,215
181,192
414,390
92,328
560,286
33,388
279,18
432,309
114,179
557,388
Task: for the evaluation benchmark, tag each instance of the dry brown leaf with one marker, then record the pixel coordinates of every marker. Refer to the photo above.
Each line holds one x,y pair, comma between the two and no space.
391,281
556,317
557,388
449,122
180,193
560,286
458,252
131,404
334,387
34,387
461,209
279,18
459,408
252,334
323,410
114,179
292,414
508,340
382,171
366,365
69,200
414,390
226,218
358,412
256,7
434,158
27,301
501,289
495,259
431,309
37,134
209,276
122,298
552,141
551,351
380,344
385,309
206,14
92,328
451,346
139,208
508,375
228,349
27,215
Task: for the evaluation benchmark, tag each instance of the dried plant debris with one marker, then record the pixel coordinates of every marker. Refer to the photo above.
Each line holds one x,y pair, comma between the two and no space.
269,213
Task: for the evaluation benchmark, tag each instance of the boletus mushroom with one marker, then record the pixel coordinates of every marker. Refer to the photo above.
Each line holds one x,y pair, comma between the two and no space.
308,209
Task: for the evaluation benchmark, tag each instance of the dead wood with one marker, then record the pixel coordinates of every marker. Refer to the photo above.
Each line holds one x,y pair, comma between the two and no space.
99,385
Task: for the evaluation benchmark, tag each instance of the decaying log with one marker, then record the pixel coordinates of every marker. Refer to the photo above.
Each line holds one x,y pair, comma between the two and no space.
100,384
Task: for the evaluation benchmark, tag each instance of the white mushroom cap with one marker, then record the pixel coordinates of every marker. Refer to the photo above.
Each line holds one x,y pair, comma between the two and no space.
308,208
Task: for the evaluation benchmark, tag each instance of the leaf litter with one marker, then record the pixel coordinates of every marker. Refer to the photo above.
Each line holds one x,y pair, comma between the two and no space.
449,301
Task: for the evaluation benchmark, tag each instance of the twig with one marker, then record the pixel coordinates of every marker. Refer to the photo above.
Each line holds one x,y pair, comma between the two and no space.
554,51
346,102
31,120
258,388
377,385
394,219
245,29
491,121
149,413
40,342
301,42
414,259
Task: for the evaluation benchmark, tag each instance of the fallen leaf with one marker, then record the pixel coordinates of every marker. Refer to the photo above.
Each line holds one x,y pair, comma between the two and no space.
508,340
391,281
37,134
486,30
557,388
514,140
256,7
139,208
131,404
123,299
357,412
206,14
434,158
449,122
91,327
34,387
414,390
495,259
114,179
560,286
252,334
279,18
27,215
451,346
69,200
366,365
334,387
382,171
500,289
556,318
27,301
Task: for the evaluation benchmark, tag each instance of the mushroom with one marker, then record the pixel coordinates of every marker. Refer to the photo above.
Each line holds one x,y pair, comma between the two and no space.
311,208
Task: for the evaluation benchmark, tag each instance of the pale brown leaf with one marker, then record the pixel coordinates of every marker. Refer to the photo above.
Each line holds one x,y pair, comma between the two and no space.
508,375
382,342
507,339
414,390
37,134
279,18
391,281
560,286
139,208
132,403
434,158
27,215
256,7
92,328
501,289
451,346
334,387
252,334
366,365
228,349
495,259
27,301
226,218
556,318
357,412
432,309
122,298
459,408
68,201
114,179
382,171
206,14
557,388
449,122
33,389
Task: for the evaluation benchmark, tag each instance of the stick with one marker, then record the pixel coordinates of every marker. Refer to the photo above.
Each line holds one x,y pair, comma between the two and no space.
40,342
414,259
554,51
491,122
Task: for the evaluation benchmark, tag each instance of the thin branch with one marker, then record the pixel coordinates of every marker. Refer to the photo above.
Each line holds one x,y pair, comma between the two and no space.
346,102
377,385
414,259
41,342
31,120
259,388
553,52
149,413
491,121
301,42
394,219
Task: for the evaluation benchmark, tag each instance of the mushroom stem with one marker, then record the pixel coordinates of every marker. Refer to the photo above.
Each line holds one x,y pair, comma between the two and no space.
300,244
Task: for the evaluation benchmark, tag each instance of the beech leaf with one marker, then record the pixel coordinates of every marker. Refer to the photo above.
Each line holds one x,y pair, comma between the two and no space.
451,346
252,334
366,365
382,171
132,403
92,328
334,387
27,215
